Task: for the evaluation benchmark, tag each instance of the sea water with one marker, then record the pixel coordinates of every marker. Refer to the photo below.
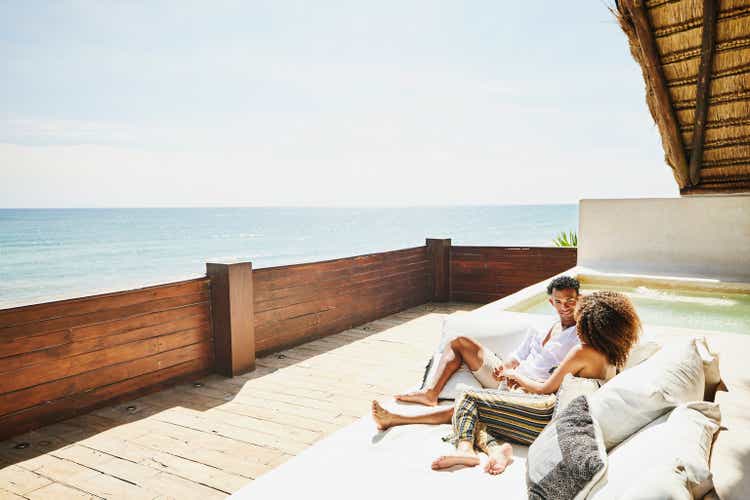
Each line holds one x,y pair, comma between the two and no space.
50,254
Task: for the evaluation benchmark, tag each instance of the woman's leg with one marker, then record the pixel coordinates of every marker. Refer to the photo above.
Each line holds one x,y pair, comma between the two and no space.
500,455
521,421
459,350
465,418
386,419
481,416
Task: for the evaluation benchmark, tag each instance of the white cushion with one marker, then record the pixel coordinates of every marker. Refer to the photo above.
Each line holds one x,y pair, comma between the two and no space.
710,368
637,396
500,332
666,459
640,352
571,388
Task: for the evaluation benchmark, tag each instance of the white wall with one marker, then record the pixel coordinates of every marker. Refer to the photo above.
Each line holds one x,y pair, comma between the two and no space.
703,236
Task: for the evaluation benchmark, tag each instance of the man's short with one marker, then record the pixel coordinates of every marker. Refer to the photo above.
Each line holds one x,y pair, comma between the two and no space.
484,373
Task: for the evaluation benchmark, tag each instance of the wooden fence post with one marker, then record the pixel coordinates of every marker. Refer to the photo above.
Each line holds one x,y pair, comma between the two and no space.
440,251
232,317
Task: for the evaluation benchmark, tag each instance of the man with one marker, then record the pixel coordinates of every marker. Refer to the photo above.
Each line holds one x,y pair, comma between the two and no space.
536,357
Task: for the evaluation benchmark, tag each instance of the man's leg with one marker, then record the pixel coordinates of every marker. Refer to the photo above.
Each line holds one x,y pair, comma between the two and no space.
459,350
386,419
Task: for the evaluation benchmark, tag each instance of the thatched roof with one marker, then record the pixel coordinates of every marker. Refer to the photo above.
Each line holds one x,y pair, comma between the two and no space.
695,57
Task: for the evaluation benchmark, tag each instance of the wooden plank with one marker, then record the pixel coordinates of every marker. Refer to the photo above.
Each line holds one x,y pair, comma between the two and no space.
53,354
290,339
322,275
58,490
90,480
67,367
653,70
46,326
218,426
273,299
29,344
274,273
268,282
402,285
154,461
44,393
20,481
325,296
94,303
154,321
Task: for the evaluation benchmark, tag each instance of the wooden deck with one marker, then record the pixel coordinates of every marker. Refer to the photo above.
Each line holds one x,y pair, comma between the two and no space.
208,439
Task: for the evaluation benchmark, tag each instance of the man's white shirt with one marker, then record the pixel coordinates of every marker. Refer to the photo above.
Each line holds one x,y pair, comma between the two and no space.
537,361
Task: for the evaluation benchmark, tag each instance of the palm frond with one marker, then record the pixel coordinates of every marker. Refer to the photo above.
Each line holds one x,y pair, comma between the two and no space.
569,239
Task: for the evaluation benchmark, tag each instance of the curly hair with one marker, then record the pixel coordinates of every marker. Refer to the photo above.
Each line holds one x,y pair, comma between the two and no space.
607,321
563,283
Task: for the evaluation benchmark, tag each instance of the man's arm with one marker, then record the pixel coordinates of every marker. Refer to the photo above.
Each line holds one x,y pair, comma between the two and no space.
515,358
522,351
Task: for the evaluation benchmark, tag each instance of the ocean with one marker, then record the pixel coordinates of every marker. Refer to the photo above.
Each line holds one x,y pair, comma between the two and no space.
52,254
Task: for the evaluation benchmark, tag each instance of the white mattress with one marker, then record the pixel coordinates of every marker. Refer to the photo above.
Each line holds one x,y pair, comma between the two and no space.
361,462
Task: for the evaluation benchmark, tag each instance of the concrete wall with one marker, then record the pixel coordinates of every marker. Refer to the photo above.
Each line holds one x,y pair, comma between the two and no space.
700,236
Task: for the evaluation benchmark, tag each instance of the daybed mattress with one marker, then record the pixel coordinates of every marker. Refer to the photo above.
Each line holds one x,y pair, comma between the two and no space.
361,462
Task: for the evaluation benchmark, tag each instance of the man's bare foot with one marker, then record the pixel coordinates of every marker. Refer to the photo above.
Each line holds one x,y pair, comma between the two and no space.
382,417
427,398
500,458
468,459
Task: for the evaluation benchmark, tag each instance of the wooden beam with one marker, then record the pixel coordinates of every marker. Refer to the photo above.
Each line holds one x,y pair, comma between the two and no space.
710,8
651,60
440,251
232,317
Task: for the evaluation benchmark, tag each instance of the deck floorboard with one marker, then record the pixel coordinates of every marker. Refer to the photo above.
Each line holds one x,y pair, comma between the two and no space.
209,441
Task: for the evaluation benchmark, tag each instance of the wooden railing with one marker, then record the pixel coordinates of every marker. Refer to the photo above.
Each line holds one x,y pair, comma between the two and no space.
294,304
485,274
62,358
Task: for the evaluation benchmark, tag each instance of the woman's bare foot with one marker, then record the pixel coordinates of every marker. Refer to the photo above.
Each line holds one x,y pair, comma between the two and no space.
465,455
468,459
427,398
500,458
382,417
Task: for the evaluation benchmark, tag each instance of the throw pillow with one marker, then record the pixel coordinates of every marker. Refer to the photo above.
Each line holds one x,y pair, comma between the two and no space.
568,458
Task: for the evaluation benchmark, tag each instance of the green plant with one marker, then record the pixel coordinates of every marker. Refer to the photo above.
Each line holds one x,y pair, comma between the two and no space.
569,239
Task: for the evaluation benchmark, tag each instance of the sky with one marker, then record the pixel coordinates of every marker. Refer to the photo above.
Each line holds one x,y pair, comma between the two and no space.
320,103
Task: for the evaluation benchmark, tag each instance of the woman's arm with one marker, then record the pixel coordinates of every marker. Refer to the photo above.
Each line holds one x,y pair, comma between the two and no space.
573,363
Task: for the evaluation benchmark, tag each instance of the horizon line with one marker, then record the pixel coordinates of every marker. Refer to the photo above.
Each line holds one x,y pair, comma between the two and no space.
430,205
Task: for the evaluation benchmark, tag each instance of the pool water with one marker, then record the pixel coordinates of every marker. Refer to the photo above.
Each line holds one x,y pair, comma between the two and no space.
699,310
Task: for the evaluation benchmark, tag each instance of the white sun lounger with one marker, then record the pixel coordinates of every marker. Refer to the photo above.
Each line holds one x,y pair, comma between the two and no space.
361,462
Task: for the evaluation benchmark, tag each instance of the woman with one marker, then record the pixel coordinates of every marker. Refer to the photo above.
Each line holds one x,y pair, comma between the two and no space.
607,326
